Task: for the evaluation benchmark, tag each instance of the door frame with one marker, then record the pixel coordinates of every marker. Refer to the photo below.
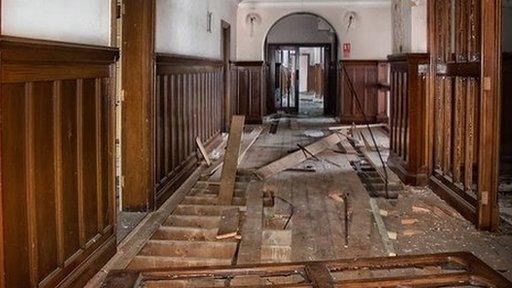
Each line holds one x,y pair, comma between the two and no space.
330,86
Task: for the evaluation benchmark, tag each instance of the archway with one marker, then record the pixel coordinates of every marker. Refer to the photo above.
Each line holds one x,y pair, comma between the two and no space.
301,49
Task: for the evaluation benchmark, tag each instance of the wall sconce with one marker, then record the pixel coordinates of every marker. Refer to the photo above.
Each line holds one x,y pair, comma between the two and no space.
209,16
252,19
350,19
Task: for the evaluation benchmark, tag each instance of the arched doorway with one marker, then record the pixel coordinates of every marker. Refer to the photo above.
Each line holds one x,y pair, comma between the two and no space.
301,49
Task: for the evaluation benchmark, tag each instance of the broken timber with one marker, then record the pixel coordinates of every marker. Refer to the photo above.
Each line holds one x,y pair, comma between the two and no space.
348,127
298,157
201,148
228,176
248,141
455,270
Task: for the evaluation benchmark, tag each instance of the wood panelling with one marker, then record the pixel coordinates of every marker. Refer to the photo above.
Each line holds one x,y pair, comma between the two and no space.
56,161
189,99
506,107
408,119
364,76
316,80
464,40
251,90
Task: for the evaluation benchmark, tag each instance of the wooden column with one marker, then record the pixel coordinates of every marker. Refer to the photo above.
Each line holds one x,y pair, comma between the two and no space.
408,121
138,82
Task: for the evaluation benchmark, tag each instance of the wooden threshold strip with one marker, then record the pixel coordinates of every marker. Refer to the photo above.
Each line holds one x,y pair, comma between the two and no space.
455,270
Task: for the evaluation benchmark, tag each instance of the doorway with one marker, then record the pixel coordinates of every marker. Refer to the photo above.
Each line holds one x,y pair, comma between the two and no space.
301,50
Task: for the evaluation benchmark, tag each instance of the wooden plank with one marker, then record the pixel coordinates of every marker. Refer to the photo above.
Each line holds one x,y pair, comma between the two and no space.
229,169
319,275
229,223
248,141
201,148
348,127
390,250
250,246
298,157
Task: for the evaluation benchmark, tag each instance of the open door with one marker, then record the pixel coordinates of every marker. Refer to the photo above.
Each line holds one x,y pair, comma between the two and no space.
464,96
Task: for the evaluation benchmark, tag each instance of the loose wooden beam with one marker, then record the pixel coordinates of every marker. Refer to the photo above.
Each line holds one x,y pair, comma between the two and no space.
201,148
250,247
348,127
298,157
228,176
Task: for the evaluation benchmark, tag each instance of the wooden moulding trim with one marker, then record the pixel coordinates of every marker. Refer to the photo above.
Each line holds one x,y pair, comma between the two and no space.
249,63
16,49
362,61
470,69
424,57
177,60
467,210
476,272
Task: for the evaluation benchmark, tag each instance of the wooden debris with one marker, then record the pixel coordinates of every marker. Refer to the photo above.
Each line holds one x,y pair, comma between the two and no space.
203,152
408,233
347,127
418,209
228,176
229,223
305,170
392,235
337,197
409,221
295,158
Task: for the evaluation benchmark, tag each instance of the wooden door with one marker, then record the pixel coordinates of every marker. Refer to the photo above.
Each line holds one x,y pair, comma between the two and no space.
464,48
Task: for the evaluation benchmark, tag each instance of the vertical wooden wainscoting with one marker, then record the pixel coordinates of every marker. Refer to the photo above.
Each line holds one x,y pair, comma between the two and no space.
251,90
188,104
408,121
56,161
506,108
465,71
364,76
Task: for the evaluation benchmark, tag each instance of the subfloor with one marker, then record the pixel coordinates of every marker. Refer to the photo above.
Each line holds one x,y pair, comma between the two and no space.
304,222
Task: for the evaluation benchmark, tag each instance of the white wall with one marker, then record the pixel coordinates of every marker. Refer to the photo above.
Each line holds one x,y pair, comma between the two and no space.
181,26
370,36
409,26
77,21
299,29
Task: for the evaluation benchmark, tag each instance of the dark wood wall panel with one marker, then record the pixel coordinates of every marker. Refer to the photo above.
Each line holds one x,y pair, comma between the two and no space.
409,137
56,161
506,104
189,98
249,83
464,74
364,76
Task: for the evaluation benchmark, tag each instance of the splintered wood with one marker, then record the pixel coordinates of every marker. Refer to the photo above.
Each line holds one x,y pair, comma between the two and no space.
298,157
201,148
228,177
